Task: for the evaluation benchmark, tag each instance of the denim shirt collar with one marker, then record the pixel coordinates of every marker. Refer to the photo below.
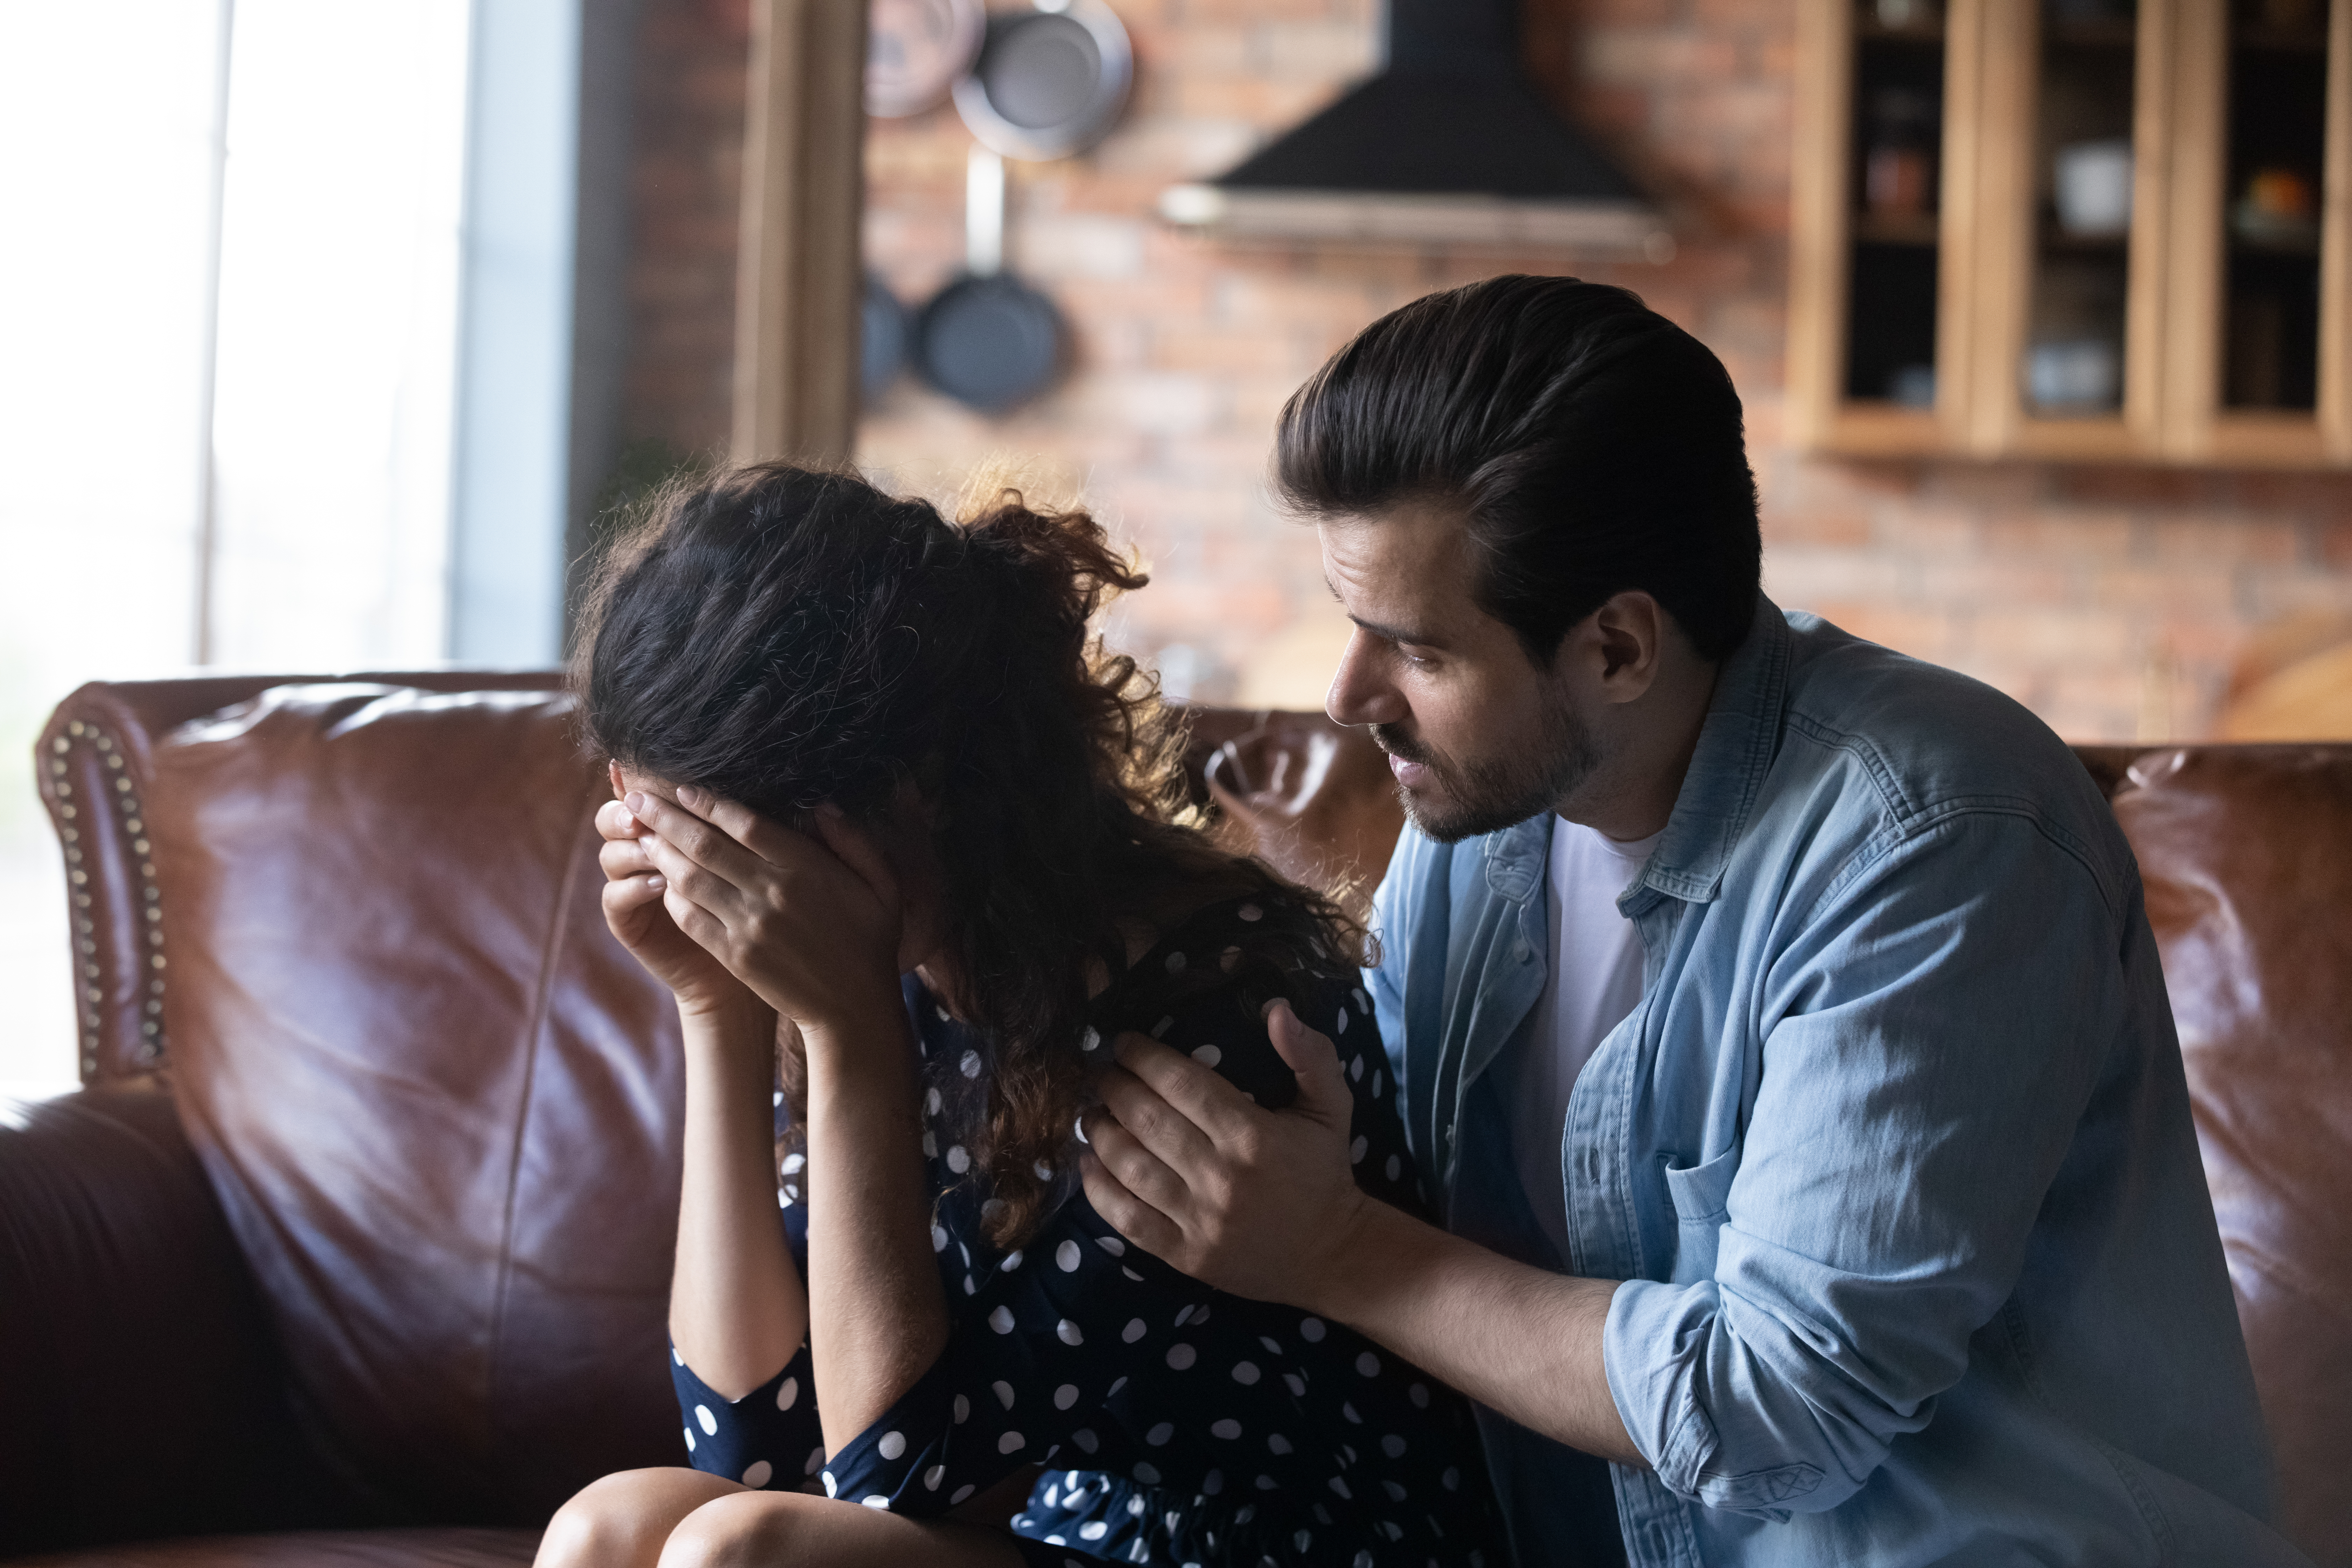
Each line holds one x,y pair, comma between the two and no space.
1736,745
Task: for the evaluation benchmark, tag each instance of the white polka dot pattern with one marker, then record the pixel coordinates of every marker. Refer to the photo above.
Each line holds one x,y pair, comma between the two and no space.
1345,1453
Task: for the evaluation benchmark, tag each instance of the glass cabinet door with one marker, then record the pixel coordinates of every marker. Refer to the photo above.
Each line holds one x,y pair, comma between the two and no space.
2073,355
2275,162
1895,185
2070,203
2261,234
1881,171
2074,230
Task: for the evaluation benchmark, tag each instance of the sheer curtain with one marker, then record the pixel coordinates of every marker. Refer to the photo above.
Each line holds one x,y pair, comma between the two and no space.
225,387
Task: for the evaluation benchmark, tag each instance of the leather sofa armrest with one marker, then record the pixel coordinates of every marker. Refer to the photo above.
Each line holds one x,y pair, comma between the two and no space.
139,1392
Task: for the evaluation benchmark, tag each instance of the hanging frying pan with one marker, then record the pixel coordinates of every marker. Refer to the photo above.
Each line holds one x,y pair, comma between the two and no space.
915,50
988,340
1048,82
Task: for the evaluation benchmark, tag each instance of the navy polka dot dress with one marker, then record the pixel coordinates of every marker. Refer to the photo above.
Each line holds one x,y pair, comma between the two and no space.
1177,1424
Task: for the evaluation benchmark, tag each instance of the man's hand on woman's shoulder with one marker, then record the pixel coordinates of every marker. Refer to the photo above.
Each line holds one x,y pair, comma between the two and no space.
1259,1203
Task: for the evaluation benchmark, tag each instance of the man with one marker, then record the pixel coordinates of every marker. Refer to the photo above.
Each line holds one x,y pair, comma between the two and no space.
1775,1017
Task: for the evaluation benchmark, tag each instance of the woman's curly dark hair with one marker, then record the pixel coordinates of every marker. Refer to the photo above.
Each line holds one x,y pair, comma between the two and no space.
787,638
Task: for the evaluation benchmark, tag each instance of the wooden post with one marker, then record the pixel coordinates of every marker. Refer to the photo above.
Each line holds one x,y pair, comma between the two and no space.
797,285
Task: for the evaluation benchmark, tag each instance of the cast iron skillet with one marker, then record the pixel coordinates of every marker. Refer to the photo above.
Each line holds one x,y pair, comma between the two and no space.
988,340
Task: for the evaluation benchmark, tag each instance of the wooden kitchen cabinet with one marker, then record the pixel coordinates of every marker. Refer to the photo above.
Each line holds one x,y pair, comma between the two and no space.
2087,230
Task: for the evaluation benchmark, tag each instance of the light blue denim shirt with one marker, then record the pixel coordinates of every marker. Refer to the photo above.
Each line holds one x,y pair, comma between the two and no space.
1895,1153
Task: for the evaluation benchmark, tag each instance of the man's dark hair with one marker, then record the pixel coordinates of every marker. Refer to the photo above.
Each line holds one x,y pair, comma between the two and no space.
1594,445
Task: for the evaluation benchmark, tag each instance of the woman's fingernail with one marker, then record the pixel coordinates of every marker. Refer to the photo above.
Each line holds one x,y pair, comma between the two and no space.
635,802
656,881
1266,1014
690,797
628,823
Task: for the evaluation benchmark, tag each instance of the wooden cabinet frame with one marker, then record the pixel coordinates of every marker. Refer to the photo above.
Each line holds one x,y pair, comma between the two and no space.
2171,409
797,283
2196,428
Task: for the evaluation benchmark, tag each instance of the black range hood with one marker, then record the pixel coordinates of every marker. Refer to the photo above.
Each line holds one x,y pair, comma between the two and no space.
1449,144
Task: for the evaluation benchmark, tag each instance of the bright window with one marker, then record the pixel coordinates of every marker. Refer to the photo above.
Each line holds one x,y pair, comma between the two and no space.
309,443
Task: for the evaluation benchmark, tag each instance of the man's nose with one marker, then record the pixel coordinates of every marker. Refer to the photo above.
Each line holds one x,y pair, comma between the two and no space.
1360,691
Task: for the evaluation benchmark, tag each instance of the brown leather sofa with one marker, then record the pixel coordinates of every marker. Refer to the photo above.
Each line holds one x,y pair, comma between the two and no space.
355,1247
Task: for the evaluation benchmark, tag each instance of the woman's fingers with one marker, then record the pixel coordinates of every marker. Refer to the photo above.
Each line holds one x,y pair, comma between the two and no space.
626,895
615,822
633,910
724,914
707,931
854,848
693,838
622,858
769,840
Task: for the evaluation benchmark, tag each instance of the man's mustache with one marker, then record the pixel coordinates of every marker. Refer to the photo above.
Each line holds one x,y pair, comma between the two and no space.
1396,743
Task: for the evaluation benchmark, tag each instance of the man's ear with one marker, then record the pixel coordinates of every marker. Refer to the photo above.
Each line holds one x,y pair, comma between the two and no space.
620,788
1630,630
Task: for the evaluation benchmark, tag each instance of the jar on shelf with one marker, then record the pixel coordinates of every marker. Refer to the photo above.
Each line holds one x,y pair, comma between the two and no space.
1898,171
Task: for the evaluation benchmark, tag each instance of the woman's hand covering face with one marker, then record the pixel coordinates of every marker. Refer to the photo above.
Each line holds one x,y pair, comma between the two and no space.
811,928
637,913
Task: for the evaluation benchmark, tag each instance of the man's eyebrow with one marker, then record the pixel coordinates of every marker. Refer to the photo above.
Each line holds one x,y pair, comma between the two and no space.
1398,634
1386,633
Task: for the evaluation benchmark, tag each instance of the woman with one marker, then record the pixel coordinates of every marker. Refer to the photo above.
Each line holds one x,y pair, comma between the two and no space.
880,800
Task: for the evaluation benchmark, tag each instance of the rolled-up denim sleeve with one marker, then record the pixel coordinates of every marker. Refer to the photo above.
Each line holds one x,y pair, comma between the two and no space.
1931,1034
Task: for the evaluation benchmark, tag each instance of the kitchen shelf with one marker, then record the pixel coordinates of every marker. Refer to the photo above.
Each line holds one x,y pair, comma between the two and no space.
1969,323
1922,229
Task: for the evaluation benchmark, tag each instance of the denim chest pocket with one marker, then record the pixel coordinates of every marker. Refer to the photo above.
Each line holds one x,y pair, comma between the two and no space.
1700,1194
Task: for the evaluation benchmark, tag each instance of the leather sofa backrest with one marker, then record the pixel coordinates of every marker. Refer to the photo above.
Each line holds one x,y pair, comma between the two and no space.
2246,854
438,1102
355,924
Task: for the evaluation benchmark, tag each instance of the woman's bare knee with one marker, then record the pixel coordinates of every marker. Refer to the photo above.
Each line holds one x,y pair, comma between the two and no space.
622,1520
794,1530
769,1528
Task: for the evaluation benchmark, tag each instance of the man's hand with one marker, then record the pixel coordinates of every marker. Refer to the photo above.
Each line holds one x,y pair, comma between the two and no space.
1260,1203
1264,1203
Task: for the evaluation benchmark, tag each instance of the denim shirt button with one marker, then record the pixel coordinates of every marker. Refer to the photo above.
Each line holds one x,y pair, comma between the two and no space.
1525,952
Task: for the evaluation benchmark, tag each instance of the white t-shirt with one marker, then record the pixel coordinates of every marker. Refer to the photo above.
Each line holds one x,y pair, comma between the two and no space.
1595,981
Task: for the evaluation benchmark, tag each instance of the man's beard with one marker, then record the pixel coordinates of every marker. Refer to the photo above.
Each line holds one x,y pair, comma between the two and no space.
1523,776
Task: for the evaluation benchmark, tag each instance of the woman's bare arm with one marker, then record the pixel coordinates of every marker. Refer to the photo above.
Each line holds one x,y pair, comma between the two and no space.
812,929
881,1318
738,1310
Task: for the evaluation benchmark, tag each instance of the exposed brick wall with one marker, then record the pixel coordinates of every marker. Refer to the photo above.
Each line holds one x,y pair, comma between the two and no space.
2112,600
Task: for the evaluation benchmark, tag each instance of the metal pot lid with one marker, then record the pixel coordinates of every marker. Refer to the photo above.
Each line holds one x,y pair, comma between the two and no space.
916,50
1048,82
